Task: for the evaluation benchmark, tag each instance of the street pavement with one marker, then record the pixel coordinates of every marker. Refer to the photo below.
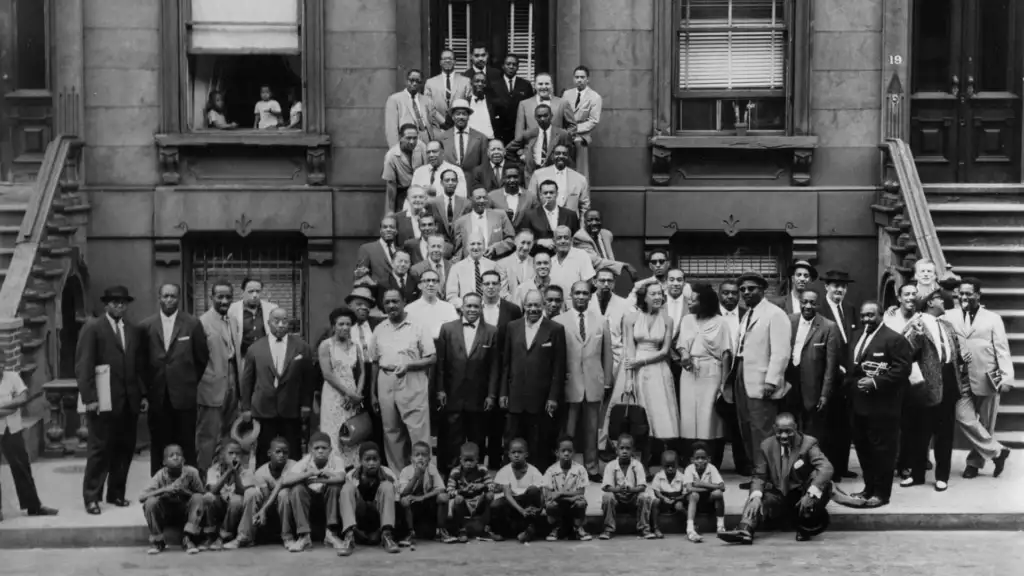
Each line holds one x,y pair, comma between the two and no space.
834,553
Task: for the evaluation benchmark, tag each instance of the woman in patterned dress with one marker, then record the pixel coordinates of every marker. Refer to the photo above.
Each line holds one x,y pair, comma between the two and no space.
342,395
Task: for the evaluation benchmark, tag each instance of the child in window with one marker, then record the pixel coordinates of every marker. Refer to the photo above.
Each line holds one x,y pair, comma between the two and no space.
174,493
565,486
421,492
266,495
368,502
668,495
223,503
268,111
624,485
471,490
295,110
214,113
316,480
519,505
706,489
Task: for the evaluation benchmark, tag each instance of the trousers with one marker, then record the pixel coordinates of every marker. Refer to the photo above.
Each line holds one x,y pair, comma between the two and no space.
404,411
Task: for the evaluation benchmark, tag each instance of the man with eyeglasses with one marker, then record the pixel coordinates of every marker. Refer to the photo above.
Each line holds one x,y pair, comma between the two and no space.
658,263
428,311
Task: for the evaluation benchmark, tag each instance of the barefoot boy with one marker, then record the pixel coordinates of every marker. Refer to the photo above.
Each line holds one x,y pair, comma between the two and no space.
624,485
222,503
706,489
668,496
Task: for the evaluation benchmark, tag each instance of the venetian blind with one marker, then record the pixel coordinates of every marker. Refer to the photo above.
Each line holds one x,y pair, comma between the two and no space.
712,267
459,37
521,40
732,45
244,26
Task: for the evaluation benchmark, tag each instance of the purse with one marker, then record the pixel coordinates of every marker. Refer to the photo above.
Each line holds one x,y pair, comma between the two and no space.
628,418
356,429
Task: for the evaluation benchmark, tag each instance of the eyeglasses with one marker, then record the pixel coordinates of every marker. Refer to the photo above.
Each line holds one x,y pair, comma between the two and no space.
659,261
605,280
491,283
429,280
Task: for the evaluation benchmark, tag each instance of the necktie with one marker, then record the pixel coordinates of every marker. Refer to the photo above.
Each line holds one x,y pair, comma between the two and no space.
416,112
119,333
497,173
858,354
544,148
462,147
362,342
600,247
479,277
578,96
743,334
510,82
842,317
433,175
401,283
451,210
448,89
942,345
391,253
583,328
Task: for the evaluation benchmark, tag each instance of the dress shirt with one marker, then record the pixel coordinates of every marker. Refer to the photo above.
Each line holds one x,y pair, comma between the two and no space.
430,316
897,321
480,119
676,309
277,351
167,322
415,219
732,320
552,216
479,226
512,201
491,313
539,157
118,327
11,387
839,318
429,177
362,334
938,337
531,332
563,187
469,333
574,268
802,328
865,339
795,300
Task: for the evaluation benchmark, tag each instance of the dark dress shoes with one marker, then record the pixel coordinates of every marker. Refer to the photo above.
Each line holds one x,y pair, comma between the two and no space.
119,502
92,508
875,502
849,474
736,537
1000,462
745,485
802,537
43,511
970,472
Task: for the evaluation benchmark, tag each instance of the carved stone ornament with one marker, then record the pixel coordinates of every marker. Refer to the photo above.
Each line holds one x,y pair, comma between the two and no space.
170,170
316,165
661,166
731,226
802,160
243,225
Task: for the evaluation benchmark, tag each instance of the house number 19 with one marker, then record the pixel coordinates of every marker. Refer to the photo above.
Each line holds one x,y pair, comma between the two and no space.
895,59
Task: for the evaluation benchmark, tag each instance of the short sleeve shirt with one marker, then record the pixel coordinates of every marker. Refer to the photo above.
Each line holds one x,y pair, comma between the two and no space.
431,479
632,477
11,387
334,464
558,479
710,475
265,479
661,482
404,342
399,169
507,477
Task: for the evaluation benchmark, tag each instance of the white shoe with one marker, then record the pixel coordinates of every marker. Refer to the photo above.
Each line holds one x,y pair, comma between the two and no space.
941,486
331,540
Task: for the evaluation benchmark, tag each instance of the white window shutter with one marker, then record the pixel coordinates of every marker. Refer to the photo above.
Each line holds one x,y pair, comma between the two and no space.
460,38
521,40
245,26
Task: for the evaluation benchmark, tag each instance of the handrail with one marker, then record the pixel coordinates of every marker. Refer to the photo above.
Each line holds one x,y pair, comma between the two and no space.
912,193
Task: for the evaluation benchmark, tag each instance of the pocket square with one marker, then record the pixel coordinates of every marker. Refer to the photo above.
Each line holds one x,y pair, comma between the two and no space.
877,354
485,345
819,344
183,338
546,345
798,464
298,357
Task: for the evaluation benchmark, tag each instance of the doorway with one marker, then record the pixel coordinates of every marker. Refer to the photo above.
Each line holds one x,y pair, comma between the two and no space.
965,109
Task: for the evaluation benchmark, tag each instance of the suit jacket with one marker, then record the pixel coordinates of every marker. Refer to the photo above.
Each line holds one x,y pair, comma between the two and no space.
403,222
587,114
422,266
475,152
926,371
398,110
446,227
766,350
535,374
771,472
536,220
819,359
410,292
582,240
296,381
562,115
986,340
513,270
221,374
467,377
885,400
372,255
576,198
493,74
616,313
98,346
507,312
500,234
962,370
435,91
173,372
851,325
237,319
526,144
527,200
589,362
462,279
509,104
483,176
415,250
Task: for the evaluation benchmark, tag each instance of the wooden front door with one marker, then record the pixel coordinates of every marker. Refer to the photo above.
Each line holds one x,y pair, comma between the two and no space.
518,27
26,103
966,90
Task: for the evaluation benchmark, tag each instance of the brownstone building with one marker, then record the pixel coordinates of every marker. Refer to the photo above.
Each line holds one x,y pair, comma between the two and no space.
738,133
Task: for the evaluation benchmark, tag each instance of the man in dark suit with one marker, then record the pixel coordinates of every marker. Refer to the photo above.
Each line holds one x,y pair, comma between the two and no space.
532,379
277,386
801,274
463,146
448,206
109,355
792,481
510,90
497,312
813,366
176,357
876,380
373,259
401,279
512,197
467,369
481,62
838,438
491,174
418,248
545,218
536,145
407,222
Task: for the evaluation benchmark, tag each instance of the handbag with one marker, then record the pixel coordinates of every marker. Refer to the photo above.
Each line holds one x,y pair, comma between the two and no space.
628,418
356,429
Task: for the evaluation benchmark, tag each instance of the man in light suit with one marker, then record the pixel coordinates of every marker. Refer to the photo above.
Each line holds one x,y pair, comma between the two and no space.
176,355
250,318
429,175
374,259
465,276
113,345
573,189
435,261
492,225
217,396
517,268
277,386
813,367
468,364
463,146
589,362
561,112
535,146
509,90
408,107
491,174
445,88
596,241
762,354
991,367
586,105
448,206
614,309
512,198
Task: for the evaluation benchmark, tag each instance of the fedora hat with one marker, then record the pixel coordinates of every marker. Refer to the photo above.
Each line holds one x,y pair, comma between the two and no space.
245,433
803,264
363,292
460,104
837,276
752,277
116,293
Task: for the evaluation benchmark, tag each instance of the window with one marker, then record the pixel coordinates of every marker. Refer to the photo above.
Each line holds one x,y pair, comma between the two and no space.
521,37
705,260
732,66
506,26
458,37
30,44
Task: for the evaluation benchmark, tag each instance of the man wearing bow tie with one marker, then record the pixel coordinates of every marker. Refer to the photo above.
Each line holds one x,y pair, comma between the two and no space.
486,115
586,105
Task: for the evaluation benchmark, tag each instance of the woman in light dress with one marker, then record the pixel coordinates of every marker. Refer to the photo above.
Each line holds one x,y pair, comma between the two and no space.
645,370
705,349
342,395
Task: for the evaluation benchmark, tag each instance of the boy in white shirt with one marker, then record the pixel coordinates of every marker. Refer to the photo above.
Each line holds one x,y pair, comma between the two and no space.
624,486
565,486
667,490
267,111
518,506
705,489
316,480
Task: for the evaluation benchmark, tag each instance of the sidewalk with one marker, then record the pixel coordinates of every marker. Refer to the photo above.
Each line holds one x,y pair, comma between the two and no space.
984,503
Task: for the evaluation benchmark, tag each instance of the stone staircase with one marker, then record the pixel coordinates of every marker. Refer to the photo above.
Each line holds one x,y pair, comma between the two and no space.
981,230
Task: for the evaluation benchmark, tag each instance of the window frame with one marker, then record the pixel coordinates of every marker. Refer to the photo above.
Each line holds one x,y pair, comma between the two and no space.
174,62
666,70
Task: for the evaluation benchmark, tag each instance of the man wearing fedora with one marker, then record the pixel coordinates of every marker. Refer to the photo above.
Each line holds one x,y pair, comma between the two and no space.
838,438
363,302
464,146
801,274
108,360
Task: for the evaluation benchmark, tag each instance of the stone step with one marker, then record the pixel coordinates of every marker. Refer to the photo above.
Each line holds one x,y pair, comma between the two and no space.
1011,418
11,214
1013,320
979,235
984,254
994,276
1013,440
976,214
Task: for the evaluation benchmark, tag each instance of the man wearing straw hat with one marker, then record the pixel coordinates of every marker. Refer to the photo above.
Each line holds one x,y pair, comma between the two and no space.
464,146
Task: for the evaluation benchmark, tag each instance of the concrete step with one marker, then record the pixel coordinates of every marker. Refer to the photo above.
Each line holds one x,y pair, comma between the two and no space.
1011,418
994,276
977,214
15,191
984,254
1013,440
12,213
1009,193
981,235
1013,320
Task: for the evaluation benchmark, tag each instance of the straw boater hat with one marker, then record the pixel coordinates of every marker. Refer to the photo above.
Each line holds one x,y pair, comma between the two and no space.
803,264
364,292
245,433
461,104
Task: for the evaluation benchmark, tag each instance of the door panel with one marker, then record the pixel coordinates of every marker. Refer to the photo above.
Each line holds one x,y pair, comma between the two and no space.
506,26
933,138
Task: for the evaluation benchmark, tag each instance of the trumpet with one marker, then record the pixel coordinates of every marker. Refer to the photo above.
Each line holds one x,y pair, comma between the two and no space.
872,369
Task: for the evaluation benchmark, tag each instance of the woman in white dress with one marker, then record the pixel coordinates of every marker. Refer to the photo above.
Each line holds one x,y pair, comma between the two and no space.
645,369
342,395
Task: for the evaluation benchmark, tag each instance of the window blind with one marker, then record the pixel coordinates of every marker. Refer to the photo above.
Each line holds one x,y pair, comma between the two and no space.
244,26
521,40
459,36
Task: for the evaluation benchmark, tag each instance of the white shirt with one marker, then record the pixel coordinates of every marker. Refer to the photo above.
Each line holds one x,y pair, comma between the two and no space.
462,135
575,268
415,219
538,149
531,332
676,309
732,320
116,325
802,328
563,186
431,316
427,177
480,119
266,111
469,333
10,388
865,339
835,314
512,201
277,351
552,216
897,321
938,337
167,322
491,313
478,225
362,334
795,299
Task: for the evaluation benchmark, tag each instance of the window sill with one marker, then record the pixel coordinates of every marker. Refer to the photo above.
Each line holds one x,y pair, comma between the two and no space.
728,141
280,138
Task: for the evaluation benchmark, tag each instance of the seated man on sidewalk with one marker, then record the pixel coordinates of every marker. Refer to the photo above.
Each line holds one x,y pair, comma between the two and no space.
792,482
14,395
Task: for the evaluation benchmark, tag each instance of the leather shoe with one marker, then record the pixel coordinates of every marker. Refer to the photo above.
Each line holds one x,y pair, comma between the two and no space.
119,502
970,472
875,502
745,485
92,508
941,486
736,537
802,537
43,511
1000,462
908,482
